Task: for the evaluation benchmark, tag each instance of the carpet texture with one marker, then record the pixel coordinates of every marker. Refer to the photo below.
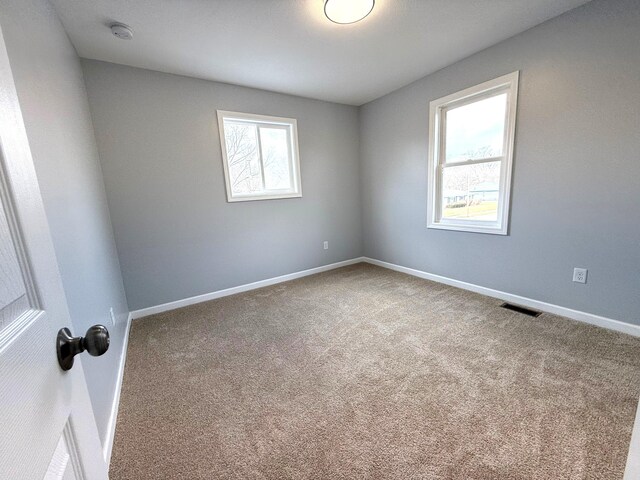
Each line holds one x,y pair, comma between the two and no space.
363,372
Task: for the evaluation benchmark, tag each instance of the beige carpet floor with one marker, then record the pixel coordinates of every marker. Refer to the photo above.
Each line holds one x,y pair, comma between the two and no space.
363,372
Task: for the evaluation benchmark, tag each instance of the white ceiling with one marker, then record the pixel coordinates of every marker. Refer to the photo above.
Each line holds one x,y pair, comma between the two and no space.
289,46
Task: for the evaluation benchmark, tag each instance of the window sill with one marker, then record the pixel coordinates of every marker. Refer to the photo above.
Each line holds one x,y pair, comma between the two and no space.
251,198
492,230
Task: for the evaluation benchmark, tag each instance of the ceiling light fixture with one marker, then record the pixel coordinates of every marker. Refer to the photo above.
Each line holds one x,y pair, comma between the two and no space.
347,11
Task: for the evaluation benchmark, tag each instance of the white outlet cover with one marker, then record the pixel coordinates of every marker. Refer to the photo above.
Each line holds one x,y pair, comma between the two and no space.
326,245
580,275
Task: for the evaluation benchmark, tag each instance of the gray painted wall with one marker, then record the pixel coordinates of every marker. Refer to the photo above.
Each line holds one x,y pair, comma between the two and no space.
176,234
576,185
56,114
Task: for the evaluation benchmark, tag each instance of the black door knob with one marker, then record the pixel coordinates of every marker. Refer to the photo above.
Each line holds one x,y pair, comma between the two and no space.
95,341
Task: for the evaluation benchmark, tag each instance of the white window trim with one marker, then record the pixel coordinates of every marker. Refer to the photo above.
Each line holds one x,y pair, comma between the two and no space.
293,150
508,83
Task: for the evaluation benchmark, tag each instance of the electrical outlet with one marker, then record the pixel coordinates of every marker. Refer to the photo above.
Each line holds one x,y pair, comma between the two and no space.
113,316
326,245
580,275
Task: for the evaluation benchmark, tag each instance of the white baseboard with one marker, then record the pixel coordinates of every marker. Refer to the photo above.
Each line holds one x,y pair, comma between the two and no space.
585,317
113,417
239,289
524,301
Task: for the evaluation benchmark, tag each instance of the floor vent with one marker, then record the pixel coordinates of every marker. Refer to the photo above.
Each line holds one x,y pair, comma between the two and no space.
519,309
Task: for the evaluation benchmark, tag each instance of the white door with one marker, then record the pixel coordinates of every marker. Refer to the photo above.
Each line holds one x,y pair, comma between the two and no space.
47,428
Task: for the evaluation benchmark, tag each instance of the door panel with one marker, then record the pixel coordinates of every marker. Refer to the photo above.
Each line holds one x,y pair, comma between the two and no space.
14,272
13,293
47,428
65,464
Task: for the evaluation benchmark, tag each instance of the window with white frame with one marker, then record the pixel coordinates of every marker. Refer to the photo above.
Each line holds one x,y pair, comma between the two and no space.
260,156
471,135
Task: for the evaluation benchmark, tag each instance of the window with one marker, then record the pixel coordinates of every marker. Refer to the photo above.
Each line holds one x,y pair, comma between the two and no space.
259,156
470,154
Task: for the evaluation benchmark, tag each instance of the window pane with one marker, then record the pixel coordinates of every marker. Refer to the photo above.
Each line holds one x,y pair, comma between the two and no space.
471,191
275,158
242,156
476,130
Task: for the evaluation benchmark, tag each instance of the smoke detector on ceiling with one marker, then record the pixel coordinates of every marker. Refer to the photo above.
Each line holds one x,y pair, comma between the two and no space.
121,31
